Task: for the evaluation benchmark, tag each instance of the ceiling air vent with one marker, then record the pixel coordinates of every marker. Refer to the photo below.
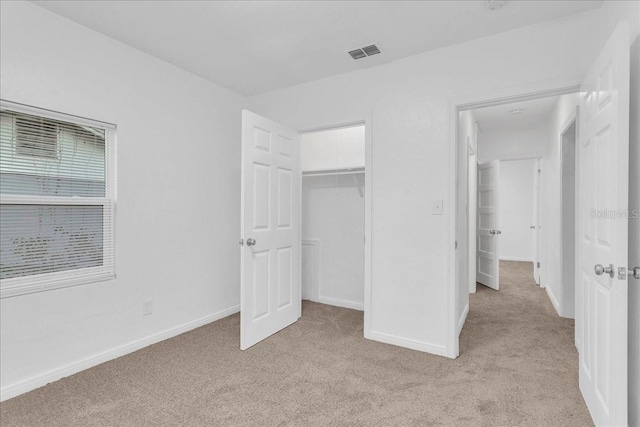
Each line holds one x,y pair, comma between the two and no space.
357,54
363,52
371,50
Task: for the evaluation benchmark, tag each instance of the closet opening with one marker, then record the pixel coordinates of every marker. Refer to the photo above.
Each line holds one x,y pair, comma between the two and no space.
332,164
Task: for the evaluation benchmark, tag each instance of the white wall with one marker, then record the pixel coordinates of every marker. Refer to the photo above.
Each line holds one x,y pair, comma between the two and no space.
512,144
178,199
339,148
333,215
413,250
551,203
634,236
516,209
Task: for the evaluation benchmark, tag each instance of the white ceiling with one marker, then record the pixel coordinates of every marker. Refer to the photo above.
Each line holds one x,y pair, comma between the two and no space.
253,47
536,112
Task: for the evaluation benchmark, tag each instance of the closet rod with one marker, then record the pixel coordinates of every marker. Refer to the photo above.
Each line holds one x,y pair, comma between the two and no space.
344,171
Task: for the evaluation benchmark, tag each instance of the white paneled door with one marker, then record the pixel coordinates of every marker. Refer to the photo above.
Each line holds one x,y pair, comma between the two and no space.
270,229
488,263
603,226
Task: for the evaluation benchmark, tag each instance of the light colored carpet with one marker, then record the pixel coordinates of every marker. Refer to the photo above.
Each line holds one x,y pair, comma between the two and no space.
518,366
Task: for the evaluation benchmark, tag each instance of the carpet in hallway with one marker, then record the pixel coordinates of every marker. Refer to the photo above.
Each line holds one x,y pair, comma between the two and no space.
518,366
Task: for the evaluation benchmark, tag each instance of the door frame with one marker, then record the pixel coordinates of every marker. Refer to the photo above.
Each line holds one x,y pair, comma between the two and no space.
573,119
537,189
472,215
534,90
366,120
535,217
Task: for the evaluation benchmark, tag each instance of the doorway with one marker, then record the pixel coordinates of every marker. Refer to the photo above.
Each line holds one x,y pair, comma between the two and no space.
271,218
536,146
332,163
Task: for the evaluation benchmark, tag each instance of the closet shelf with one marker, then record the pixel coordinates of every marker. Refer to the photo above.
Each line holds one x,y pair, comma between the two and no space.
354,172
342,171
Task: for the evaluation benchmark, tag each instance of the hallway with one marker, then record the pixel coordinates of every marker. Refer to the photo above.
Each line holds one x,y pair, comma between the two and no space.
522,353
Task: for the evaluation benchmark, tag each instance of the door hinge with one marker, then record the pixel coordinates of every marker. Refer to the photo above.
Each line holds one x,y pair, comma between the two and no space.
456,245
538,264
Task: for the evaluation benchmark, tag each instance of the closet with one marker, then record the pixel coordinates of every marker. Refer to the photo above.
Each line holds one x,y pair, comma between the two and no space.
332,164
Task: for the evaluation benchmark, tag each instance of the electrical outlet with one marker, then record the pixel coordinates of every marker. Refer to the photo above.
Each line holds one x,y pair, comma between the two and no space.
147,307
436,207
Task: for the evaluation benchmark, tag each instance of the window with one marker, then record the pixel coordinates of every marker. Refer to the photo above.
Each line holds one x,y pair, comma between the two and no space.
56,200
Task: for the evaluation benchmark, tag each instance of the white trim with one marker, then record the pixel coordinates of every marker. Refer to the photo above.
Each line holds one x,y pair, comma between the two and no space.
463,318
570,121
529,91
24,386
34,283
554,300
317,261
537,253
452,346
368,225
55,115
437,349
515,258
525,93
341,303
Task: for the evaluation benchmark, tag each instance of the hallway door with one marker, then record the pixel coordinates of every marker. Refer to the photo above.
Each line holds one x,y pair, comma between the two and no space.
488,263
270,297
603,196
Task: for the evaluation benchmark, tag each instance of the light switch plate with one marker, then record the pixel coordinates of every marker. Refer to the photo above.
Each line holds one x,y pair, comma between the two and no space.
436,208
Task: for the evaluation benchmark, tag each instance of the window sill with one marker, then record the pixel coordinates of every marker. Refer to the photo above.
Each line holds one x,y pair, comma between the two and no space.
47,282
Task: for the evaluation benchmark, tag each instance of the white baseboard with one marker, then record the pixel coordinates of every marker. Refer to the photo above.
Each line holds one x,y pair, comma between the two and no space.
439,350
463,318
24,386
341,303
514,258
553,299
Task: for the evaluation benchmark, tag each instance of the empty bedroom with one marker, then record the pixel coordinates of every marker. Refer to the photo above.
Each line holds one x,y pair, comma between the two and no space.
270,213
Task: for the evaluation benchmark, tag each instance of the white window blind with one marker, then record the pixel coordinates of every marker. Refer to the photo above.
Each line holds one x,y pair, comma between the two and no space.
56,200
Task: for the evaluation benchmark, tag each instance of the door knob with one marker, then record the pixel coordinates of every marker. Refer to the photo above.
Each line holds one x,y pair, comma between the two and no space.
494,232
251,242
635,272
599,269
533,227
